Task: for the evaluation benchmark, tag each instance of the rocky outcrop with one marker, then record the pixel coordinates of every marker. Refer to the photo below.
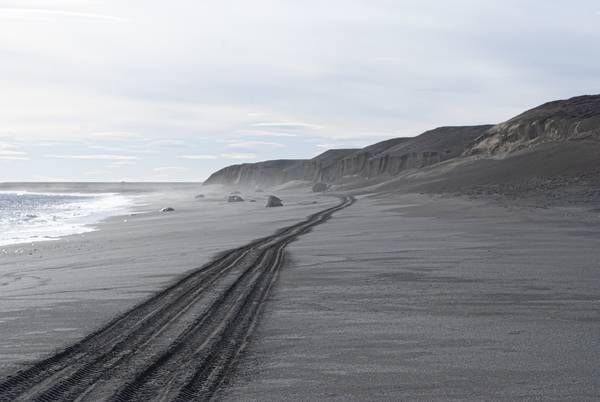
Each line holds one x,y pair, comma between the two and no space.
273,201
572,119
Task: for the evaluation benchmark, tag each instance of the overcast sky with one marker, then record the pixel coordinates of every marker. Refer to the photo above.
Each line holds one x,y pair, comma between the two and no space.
173,90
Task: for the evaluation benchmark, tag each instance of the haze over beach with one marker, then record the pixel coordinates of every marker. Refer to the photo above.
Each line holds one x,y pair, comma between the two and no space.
273,201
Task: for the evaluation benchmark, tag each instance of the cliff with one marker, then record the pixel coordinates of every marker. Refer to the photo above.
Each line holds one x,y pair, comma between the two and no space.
261,174
384,158
572,120
272,173
564,120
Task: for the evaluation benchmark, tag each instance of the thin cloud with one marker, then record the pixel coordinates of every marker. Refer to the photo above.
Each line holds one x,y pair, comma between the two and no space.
120,164
170,169
96,172
5,145
198,157
134,149
39,14
236,155
167,143
279,125
13,158
9,155
255,144
117,135
95,157
228,155
262,133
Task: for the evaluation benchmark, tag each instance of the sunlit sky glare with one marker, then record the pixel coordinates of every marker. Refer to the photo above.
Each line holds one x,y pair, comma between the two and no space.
107,90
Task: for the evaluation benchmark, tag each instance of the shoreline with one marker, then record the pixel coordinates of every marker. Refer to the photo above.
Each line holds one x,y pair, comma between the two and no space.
57,292
439,289
72,225
230,291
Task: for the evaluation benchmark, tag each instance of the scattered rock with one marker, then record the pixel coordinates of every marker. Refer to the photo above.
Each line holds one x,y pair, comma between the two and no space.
274,202
199,196
320,187
259,190
235,198
252,200
167,209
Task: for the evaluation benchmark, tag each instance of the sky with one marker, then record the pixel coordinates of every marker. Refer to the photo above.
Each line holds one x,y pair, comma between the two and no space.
111,90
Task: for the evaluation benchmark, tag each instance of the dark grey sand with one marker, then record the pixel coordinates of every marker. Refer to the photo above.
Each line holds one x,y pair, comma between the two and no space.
442,299
395,298
54,293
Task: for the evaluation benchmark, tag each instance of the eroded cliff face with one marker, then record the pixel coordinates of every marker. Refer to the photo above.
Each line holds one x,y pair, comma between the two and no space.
272,173
572,119
388,157
261,174
357,162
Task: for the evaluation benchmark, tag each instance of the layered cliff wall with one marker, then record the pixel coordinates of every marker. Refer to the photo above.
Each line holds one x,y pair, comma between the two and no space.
384,158
272,173
565,120
576,119
261,174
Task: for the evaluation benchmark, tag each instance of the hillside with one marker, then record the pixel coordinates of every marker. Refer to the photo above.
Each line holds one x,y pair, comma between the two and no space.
386,158
272,173
572,119
557,143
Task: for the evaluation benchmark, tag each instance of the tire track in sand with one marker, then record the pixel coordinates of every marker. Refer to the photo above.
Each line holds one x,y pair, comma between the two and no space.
178,345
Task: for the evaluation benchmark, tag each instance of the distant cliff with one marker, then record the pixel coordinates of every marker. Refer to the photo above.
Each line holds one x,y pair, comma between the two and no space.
567,120
261,174
272,173
384,158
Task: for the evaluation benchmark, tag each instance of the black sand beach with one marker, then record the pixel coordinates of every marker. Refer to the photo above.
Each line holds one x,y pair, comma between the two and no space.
414,297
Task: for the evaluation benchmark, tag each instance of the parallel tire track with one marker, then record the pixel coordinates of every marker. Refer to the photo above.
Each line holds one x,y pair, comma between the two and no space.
178,345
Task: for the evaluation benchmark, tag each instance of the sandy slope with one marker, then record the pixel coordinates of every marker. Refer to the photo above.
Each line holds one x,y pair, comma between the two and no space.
419,298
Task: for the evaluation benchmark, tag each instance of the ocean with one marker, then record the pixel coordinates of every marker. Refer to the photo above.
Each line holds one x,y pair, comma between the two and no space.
27,217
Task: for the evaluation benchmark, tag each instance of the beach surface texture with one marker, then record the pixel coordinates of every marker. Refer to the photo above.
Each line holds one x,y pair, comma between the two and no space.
414,297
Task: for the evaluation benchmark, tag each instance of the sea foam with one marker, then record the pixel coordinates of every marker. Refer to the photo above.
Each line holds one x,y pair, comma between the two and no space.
27,217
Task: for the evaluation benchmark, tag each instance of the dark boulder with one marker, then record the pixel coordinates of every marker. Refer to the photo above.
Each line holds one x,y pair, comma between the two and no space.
235,198
167,209
274,202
